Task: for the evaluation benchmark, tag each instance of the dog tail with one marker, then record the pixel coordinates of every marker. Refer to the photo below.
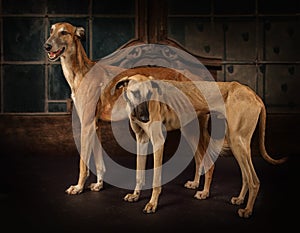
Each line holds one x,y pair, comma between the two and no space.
262,148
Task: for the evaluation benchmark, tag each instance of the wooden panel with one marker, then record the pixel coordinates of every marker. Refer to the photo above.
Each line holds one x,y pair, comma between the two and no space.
282,87
53,135
282,40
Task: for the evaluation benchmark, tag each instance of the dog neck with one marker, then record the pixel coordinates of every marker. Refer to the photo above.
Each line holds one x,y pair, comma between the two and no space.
75,65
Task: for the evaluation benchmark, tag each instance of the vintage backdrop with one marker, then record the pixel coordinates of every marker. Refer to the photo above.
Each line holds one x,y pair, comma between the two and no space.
254,42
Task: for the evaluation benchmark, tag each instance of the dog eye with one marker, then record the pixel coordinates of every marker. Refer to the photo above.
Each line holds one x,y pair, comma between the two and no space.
149,94
64,33
51,30
136,94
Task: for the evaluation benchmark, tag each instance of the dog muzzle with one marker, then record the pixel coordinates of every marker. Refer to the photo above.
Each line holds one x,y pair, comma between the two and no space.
141,113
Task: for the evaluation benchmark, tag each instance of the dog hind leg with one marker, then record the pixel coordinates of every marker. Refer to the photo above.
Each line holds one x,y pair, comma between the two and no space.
200,151
203,194
195,183
242,153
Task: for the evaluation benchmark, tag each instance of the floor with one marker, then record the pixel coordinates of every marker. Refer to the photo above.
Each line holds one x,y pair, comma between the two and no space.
32,198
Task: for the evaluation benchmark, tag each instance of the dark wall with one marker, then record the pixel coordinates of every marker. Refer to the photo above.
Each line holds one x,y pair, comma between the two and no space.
257,40
29,83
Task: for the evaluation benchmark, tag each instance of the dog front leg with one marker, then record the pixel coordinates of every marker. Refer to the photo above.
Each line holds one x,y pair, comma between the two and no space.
99,164
142,145
158,141
83,174
85,154
151,206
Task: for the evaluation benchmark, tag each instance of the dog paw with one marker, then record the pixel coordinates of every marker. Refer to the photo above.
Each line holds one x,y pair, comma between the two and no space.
237,201
191,184
96,186
150,208
131,197
201,195
74,189
244,213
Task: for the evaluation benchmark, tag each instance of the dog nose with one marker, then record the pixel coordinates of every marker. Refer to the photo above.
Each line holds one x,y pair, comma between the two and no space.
143,118
141,112
47,47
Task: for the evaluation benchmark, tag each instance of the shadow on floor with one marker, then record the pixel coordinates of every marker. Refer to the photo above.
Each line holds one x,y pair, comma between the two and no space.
32,198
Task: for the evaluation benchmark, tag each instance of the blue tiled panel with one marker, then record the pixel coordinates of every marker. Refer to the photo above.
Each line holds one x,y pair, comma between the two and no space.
282,86
240,34
23,39
24,88
113,6
68,7
176,29
58,88
234,7
82,22
57,107
246,74
281,39
273,7
110,34
189,7
23,7
199,37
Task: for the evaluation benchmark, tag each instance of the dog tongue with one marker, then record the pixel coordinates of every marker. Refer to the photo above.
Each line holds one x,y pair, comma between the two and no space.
52,54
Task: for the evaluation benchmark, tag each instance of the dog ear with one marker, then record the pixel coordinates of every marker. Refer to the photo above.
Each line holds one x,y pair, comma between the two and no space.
155,85
80,32
123,82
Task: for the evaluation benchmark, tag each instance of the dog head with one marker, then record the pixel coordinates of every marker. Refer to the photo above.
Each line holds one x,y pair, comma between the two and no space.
138,92
61,40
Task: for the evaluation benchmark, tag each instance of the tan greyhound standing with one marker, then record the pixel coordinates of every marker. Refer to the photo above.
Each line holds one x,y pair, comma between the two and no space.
64,44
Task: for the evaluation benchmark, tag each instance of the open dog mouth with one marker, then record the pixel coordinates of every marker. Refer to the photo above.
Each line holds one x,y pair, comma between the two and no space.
55,55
